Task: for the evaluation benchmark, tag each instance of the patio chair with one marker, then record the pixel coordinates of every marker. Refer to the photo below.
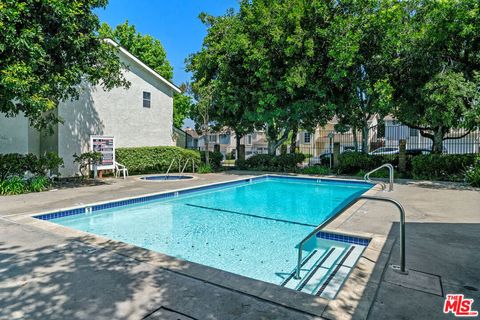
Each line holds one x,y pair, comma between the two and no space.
120,169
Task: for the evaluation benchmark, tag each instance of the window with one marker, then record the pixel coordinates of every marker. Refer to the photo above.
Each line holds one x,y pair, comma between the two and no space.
249,139
212,138
307,137
224,138
413,132
146,99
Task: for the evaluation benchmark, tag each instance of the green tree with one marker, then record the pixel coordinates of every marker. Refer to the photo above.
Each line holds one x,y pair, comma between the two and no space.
182,104
265,64
146,48
358,83
221,62
201,111
434,68
47,48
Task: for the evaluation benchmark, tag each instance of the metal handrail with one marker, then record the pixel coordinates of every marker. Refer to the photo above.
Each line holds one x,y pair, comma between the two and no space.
351,203
180,170
366,177
170,166
185,166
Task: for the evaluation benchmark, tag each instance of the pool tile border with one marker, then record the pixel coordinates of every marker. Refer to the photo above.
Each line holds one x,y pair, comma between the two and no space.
170,194
343,238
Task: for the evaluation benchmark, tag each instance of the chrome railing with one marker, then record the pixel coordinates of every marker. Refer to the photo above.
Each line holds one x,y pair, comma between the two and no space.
401,268
180,169
390,170
186,163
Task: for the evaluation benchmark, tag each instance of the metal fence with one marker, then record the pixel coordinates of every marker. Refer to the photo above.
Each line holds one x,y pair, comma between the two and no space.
384,140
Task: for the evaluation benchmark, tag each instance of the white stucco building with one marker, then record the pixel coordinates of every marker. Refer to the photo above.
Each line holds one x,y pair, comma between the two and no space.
141,115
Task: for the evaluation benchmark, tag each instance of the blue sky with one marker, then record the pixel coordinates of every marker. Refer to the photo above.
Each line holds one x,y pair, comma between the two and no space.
174,22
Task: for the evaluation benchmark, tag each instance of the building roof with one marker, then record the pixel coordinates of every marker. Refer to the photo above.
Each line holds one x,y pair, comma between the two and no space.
192,132
144,66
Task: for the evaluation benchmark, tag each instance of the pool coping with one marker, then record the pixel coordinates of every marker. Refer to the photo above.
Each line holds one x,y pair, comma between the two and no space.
144,176
356,294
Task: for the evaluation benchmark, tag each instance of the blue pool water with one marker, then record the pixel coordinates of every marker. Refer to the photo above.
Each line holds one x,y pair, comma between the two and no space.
251,229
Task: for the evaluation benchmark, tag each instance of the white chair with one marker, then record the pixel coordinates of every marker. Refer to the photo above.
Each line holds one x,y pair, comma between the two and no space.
120,169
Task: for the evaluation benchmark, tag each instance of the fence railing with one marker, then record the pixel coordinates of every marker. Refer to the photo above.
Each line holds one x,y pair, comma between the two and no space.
384,140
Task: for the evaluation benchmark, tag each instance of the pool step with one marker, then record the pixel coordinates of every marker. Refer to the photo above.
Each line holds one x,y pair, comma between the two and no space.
324,270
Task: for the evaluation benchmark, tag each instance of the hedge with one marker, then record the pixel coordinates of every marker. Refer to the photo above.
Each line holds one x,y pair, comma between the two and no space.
353,162
16,165
265,162
215,159
447,167
145,160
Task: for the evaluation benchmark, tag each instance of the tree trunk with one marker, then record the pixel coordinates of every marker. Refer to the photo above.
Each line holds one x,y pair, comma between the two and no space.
355,138
437,146
293,141
207,151
365,137
237,145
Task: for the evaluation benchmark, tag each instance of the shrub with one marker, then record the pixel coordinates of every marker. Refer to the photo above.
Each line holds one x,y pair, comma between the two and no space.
13,185
154,159
204,168
85,160
38,184
12,164
472,174
352,162
215,159
265,162
260,162
448,167
320,170
241,164
16,165
288,162
50,161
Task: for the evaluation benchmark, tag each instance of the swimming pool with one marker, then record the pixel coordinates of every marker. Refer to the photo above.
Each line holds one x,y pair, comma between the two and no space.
250,227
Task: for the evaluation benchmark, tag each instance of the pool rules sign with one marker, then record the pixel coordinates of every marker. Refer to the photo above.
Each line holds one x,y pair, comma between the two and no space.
106,146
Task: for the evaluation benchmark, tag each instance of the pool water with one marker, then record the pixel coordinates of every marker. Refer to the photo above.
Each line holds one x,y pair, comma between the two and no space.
251,229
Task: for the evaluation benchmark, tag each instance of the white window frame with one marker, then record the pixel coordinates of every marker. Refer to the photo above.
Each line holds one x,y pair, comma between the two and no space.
147,100
305,135
249,139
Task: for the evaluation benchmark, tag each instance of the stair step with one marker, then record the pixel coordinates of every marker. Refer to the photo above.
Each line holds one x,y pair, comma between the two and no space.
306,266
324,270
320,273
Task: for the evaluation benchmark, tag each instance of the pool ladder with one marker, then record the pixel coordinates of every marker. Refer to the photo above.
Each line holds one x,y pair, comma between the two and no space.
180,169
390,170
401,269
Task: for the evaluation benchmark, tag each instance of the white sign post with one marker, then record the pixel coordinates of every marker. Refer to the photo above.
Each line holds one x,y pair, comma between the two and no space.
106,146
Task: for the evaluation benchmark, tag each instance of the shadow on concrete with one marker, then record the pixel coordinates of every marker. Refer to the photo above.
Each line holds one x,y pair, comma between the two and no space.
448,252
75,280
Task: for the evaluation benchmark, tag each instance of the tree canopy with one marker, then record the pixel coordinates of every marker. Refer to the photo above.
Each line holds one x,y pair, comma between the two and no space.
146,48
283,65
47,48
434,67
264,66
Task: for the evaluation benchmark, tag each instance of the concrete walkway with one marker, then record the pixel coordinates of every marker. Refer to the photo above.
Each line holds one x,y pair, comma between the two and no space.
47,276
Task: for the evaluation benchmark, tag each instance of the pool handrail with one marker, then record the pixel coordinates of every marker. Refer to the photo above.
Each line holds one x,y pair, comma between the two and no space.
333,217
180,170
185,165
366,177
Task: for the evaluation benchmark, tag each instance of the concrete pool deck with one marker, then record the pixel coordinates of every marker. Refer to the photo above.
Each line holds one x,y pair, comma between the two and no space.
46,275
